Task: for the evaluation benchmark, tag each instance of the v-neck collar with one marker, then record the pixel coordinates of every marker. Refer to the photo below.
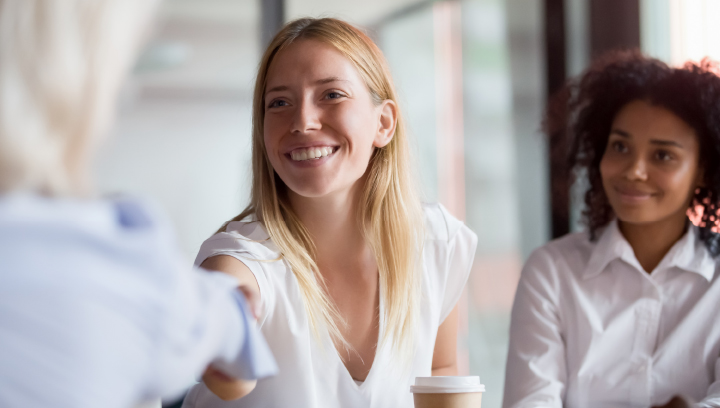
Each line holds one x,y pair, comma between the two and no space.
379,351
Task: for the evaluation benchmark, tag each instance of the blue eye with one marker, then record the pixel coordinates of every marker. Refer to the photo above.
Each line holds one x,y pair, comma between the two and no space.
334,95
277,103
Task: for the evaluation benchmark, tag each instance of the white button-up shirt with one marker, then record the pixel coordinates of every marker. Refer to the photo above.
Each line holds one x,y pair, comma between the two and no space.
590,328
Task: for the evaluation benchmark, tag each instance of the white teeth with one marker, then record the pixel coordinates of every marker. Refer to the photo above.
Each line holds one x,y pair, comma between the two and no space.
311,153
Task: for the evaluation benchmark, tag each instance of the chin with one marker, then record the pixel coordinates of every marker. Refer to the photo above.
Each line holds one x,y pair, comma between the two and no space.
310,190
640,216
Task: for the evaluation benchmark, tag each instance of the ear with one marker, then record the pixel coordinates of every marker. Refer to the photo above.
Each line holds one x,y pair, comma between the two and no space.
387,121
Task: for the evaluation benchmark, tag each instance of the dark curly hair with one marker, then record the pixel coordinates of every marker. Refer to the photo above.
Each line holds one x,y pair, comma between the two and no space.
579,118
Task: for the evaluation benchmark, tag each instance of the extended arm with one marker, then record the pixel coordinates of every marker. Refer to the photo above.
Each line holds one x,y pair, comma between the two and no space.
222,385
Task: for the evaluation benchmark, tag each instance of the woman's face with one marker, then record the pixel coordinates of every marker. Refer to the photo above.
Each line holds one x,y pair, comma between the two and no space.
650,168
321,125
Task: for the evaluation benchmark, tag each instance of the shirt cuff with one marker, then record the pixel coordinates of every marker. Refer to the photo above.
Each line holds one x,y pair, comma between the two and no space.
252,359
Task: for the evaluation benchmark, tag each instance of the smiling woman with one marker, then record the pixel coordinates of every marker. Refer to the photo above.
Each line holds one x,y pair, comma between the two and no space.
625,314
650,171
359,282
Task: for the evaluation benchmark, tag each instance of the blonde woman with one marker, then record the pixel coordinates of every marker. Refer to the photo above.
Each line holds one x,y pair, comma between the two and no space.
97,308
359,282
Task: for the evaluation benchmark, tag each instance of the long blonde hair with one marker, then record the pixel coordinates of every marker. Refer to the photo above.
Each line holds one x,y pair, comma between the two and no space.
389,215
61,64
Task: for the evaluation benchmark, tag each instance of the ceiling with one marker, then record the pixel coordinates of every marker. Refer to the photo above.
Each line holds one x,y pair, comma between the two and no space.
210,48
246,11
364,12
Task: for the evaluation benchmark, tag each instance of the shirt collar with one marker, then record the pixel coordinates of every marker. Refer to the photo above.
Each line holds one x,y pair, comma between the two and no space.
688,254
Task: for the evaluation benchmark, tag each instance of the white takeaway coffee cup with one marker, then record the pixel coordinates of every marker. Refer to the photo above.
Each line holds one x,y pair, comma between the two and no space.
447,392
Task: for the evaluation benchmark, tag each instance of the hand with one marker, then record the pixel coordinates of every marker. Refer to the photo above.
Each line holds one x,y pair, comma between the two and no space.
226,387
252,296
677,401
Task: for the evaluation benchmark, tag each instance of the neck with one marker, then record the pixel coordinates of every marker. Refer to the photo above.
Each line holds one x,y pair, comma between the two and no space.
652,241
333,225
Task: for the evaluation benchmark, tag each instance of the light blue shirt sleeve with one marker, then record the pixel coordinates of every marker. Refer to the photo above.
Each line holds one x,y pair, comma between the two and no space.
253,359
207,320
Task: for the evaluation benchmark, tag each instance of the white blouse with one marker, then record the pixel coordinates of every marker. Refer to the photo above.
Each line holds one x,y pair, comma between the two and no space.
312,375
590,328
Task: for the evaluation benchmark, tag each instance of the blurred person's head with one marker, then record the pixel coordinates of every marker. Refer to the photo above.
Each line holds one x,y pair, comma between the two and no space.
61,64
647,136
326,121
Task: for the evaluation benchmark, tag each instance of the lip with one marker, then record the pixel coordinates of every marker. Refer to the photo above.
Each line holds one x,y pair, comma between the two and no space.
632,195
314,162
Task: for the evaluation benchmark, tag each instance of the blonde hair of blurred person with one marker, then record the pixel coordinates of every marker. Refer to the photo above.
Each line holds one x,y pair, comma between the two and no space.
389,215
61,64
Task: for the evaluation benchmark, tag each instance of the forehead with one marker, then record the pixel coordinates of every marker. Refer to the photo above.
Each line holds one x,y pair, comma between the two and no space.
643,120
307,61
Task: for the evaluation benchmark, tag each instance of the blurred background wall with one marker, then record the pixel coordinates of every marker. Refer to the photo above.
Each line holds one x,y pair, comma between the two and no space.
473,78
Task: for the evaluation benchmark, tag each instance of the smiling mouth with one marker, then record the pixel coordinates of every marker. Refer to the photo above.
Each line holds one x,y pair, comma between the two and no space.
312,153
633,195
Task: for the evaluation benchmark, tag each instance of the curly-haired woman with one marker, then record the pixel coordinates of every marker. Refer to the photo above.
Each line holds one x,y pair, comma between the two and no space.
626,314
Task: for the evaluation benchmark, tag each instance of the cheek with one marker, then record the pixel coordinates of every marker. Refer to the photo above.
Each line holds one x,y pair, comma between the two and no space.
680,181
269,130
272,132
270,147
357,123
608,168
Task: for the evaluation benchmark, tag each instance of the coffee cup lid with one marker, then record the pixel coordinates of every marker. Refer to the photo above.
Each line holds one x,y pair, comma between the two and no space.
445,385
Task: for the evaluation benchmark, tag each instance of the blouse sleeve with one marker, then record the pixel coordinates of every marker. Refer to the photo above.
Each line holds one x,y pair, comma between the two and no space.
461,252
536,369
454,248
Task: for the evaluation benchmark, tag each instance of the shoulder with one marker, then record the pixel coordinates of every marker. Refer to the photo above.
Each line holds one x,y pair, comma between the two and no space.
565,247
448,253
116,227
558,260
442,226
247,238
123,246
92,215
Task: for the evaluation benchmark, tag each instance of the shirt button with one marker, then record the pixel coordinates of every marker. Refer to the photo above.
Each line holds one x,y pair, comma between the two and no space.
642,368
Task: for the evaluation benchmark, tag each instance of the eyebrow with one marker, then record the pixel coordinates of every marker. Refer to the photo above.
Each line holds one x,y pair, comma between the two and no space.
329,80
322,81
277,89
626,135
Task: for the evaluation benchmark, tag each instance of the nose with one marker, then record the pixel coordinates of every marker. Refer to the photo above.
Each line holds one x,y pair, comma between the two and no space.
306,118
637,169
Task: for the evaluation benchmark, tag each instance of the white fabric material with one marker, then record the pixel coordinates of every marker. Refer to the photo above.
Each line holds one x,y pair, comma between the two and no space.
98,309
312,374
591,329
